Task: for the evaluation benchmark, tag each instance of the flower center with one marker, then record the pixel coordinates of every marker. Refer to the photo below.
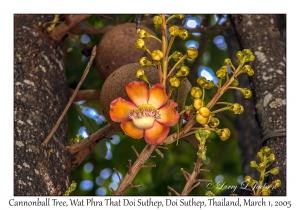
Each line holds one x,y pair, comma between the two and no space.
144,116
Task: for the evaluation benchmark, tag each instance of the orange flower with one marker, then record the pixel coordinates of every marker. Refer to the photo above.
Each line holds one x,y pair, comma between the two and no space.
148,115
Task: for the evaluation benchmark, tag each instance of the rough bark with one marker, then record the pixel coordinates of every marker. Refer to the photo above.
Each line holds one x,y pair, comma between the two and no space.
247,125
260,33
40,94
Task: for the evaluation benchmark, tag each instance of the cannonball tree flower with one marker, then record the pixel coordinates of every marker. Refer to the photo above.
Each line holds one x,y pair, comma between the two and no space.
149,114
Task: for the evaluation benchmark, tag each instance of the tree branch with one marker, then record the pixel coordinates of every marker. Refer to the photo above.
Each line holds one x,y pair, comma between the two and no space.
61,30
134,169
80,150
86,95
86,71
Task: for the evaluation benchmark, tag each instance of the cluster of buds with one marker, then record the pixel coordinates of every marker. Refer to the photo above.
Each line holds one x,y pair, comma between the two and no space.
204,83
244,56
202,136
265,156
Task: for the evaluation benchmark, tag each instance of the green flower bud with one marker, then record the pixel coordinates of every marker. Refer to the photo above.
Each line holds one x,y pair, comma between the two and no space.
196,92
140,44
208,85
265,191
248,179
203,115
250,73
183,72
183,34
143,34
174,30
209,193
157,20
192,52
274,171
239,55
272,157
246,68
235,83
198,103
157,55
201,81
214,122
174,82
276,183
145,62
227,62
251,58
237,108
260,155
253,164
247,52
223,133
176,55
246,92
180,16
221,74
266,150
140,73
261,166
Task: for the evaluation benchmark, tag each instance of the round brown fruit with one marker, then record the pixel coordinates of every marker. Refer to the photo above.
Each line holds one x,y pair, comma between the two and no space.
117,48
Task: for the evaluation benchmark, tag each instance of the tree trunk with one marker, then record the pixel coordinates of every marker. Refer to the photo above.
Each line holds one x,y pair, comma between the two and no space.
40,94
261,35
249,133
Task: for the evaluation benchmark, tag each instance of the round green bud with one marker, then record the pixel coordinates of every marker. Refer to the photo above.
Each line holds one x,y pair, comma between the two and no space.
251,58
246,68
145,62
196,92
227,62
174,82
266,150
239,55
183,72
247,52
235,83
143,34
220,74
214,122
253,164
140,73
157,55
248,179
176,55
140,44
274,171
223,133
157,20
192,52
276,183
250,73
262,166
265,191
183,34
198,103
272,157
246,92
174,30
208,85
201,81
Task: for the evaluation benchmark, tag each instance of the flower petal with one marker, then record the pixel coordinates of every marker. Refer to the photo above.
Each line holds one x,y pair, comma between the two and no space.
119,109
157,96
130,130
169,115
156,134
137,92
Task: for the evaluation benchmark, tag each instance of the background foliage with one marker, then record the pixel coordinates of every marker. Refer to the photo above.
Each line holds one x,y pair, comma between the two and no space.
95,175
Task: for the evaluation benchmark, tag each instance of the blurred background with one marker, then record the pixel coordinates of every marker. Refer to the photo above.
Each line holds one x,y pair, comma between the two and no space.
95,176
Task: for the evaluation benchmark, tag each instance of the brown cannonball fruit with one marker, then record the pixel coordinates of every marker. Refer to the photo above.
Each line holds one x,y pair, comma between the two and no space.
114,86
117,48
